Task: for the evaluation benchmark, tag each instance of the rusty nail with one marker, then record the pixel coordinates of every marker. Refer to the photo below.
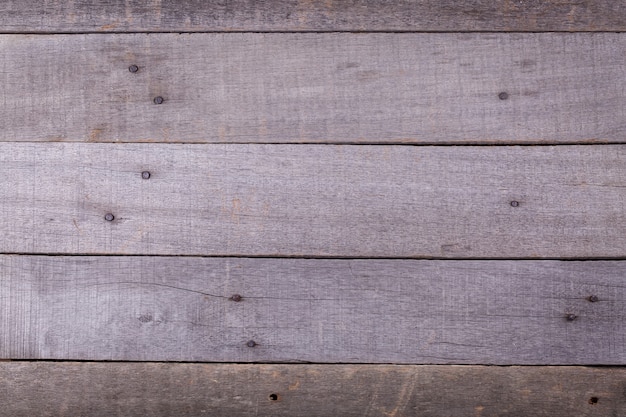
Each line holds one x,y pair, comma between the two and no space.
145,175
251,343
133,68
593,298
158,100
503,95
235,297
571,317
514,203
109,217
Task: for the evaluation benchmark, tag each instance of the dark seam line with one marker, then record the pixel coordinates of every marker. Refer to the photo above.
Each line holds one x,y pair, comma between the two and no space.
313,31
320,257
297,362
347,143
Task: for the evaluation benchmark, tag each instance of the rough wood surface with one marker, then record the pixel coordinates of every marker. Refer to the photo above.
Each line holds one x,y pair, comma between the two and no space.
339,87
306,15
153,389
314,200
313,310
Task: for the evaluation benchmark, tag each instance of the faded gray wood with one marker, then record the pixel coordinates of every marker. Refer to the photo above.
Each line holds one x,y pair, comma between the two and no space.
304,15
312,310
312,200
326,88
156,389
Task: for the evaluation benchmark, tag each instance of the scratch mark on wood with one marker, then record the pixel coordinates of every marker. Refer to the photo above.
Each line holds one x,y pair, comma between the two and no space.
109,26
94,135
137,237
236,210
295,385
406,394
76,226
157,285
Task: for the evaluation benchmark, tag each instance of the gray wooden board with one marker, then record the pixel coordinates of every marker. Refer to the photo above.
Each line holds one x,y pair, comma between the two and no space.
314,88
314,200
157,389
312,310
306,15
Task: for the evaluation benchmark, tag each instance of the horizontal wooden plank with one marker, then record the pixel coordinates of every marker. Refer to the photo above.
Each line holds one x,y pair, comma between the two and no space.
314,201
314,88
157,389
313,310
304,15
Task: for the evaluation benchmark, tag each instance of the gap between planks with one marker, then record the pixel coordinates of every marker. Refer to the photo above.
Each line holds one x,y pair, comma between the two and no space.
582,142
312,257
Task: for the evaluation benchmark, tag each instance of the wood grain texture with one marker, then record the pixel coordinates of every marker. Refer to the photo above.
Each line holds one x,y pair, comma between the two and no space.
153,389
314,201
314,88
304,15
312,310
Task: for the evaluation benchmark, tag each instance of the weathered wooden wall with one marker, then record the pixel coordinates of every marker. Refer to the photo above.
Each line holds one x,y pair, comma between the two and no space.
350,220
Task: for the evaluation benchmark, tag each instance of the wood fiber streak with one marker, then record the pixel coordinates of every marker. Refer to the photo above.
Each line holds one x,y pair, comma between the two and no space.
314,201
157,389
312,310
314,88
306,15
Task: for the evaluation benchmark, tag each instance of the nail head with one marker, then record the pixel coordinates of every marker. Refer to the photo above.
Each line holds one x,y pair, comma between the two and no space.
236,298
251,343
133,68
503,95
109,217
514,203
145,175
593,298
158,100
571,317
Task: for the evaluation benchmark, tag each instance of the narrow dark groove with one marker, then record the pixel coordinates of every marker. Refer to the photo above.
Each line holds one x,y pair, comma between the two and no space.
310,363
389,258
346,143
320,31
